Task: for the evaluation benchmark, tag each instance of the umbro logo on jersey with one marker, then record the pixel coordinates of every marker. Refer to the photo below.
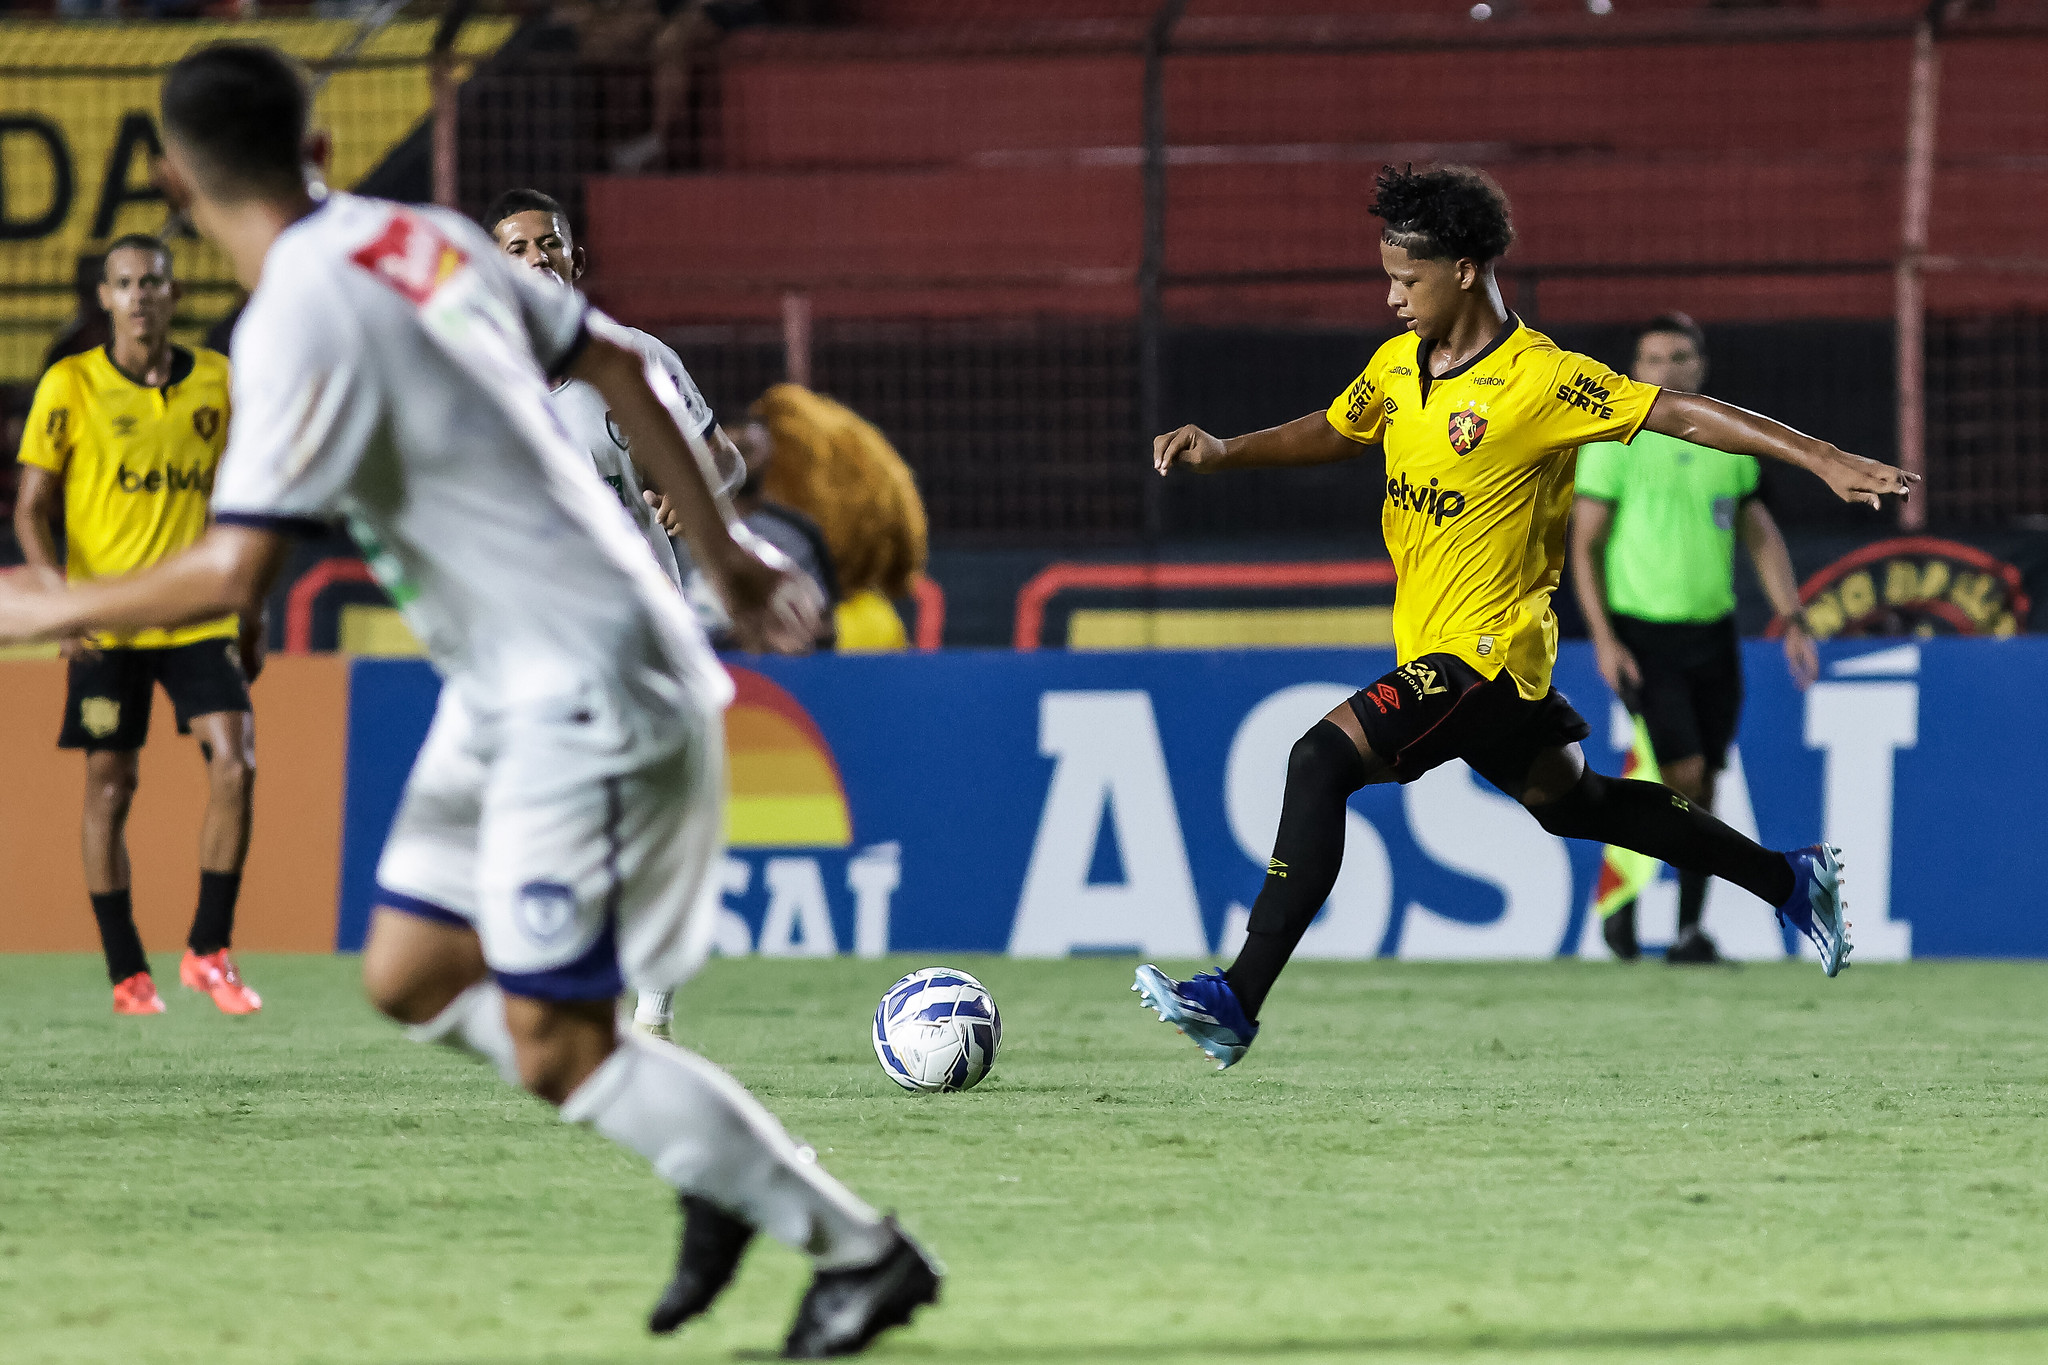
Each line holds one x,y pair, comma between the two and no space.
124,426
1275,868
1438,504
197,479
1468,429
1587,396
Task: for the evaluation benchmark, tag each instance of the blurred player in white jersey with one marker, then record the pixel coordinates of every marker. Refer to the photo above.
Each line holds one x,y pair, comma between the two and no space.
532,229
561,826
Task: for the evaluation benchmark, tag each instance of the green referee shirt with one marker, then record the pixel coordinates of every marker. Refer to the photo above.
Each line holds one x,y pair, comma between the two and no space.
1671,551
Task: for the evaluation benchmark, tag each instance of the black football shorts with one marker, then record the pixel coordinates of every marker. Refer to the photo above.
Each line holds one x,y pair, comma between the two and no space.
1438,707
107,703
1691,696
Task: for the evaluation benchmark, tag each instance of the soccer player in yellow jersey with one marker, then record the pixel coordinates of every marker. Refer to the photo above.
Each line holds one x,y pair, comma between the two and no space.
129,435
1480,419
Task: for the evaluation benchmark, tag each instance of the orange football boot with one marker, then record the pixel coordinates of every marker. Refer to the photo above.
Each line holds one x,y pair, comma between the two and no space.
215,974
137,995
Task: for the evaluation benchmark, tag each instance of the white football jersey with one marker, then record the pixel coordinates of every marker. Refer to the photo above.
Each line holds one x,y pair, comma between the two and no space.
582,413
390,370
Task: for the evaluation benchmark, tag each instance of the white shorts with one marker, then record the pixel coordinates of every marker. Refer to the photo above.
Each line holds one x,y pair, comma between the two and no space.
583,869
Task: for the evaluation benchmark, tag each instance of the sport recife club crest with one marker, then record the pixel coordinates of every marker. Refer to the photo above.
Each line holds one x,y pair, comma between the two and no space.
1468,428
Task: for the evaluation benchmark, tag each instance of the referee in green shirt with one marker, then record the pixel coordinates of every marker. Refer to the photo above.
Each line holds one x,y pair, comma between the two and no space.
1653,559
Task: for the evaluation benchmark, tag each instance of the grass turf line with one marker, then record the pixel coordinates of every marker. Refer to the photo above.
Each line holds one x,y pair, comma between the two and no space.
1516,1163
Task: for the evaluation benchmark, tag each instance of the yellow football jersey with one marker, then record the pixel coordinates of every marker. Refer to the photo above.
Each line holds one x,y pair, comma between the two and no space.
137,465
1479,488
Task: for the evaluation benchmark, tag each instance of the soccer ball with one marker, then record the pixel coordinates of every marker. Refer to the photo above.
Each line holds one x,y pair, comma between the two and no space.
937,1029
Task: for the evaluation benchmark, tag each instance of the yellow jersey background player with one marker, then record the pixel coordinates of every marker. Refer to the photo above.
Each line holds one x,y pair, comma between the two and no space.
128,436
1480,419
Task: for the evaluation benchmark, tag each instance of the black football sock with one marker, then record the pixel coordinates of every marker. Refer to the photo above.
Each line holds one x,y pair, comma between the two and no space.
213,924
1692,900
1323,769
115,911
1653,819
1619,929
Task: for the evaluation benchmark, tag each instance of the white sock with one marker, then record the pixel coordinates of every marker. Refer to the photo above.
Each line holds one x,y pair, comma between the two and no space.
707,1136
655,1007
474,1022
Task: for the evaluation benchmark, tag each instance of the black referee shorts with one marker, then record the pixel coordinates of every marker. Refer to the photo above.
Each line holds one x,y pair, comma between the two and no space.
1438,707
1691,697
108,701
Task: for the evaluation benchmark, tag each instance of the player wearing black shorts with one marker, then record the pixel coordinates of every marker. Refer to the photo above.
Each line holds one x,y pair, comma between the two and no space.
1653,561
1480,419
129,435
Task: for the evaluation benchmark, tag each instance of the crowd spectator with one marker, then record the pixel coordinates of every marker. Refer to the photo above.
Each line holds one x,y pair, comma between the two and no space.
684,41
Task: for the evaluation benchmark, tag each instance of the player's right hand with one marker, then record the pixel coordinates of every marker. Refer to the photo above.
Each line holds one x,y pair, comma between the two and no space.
1617,666
775,608
1189,446
1856,478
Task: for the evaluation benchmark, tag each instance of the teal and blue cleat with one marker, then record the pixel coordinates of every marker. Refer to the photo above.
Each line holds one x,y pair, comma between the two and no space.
1204,1008
1817,904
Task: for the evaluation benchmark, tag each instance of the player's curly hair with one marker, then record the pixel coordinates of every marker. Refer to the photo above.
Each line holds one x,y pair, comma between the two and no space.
1444,213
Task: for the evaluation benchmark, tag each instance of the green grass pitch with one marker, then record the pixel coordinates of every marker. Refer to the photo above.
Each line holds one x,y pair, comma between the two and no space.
1478,1163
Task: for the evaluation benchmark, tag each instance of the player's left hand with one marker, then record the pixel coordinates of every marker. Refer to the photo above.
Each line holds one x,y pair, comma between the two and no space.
1856,479
31,606
1802,656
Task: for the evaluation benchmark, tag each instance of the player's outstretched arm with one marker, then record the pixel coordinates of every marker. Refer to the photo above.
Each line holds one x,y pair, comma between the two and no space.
772,606
230,569
1305,440
1723,426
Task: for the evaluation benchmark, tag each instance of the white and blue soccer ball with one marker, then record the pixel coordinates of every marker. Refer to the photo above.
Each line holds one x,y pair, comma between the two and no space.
937,1029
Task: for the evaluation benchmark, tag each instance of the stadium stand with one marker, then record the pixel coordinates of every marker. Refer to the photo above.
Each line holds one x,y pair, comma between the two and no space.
957,202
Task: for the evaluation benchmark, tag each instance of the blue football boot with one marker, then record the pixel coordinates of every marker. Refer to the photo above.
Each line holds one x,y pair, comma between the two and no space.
1205,1009
1817,904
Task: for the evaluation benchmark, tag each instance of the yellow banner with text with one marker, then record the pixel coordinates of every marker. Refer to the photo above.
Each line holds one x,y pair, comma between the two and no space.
78,132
